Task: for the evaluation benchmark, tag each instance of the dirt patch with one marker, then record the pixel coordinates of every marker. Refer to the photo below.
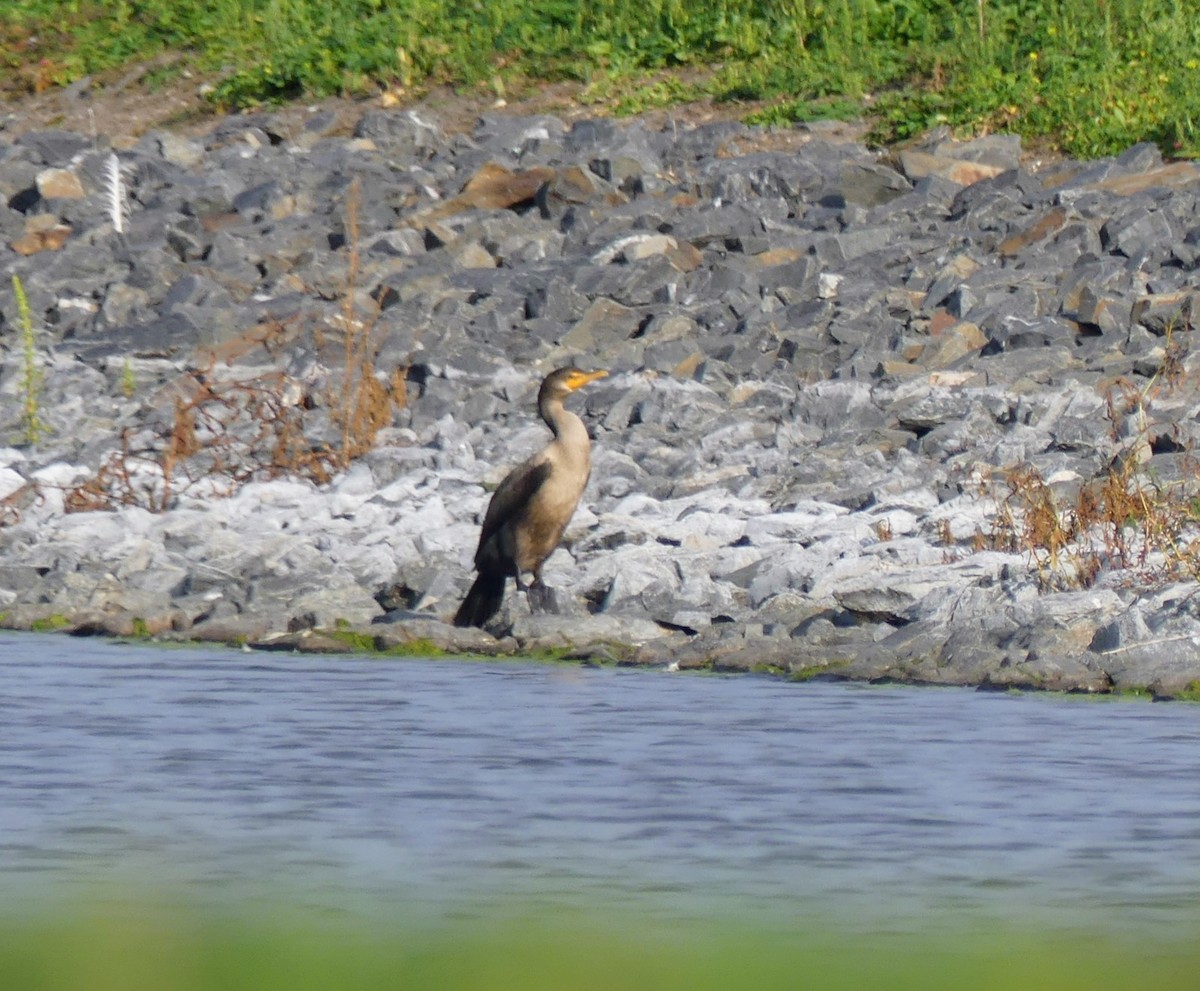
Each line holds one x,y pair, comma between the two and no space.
126,107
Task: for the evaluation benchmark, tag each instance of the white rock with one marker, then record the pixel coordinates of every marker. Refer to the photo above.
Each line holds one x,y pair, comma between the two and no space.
10,481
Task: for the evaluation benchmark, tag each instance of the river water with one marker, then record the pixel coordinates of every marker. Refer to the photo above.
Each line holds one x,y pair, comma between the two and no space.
439,786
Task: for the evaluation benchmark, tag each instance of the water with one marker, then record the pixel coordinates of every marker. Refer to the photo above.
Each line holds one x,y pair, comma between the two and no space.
436,787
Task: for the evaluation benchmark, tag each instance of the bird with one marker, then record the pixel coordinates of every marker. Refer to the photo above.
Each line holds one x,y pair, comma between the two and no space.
530,509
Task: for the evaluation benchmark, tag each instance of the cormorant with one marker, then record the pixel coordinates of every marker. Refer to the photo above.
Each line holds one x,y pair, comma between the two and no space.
532,506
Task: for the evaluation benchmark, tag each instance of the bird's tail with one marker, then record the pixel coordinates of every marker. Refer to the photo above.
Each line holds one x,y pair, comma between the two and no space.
483,600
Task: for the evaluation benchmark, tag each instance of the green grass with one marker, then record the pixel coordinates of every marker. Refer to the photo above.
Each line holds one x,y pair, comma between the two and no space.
31,375
50,624
118,948
1091,76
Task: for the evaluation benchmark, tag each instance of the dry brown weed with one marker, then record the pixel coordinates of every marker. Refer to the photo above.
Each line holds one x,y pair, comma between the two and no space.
225,432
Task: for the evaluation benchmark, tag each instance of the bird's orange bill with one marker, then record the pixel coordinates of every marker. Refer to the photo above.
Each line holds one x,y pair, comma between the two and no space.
579,379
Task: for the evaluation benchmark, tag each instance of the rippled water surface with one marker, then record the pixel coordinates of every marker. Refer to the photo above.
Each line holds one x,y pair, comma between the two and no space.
432,785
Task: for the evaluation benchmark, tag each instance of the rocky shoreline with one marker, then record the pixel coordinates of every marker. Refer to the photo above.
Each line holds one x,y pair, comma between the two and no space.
858,401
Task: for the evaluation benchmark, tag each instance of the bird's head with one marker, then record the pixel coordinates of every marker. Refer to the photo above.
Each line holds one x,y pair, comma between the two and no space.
563,381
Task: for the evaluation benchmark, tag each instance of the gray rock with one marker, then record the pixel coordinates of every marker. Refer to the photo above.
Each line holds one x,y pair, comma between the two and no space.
823,373
54,148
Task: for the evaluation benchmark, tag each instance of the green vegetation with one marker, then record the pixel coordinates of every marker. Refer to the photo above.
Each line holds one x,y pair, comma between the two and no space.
1091,77
362,643
50,624
31,374
1189,694
198,951
812,671
421,647
128,380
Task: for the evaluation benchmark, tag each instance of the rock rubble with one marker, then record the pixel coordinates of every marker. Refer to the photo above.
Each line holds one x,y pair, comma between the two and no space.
843,385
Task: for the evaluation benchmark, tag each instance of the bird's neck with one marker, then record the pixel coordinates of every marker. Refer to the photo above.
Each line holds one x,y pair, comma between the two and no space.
569,432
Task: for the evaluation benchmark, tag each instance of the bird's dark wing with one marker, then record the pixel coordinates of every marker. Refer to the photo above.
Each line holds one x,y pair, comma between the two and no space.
510,501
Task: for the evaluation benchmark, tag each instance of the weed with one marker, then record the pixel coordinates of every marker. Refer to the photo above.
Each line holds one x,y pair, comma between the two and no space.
362,405
223,433
1125,518
128,381
945,535
31,375
1037,523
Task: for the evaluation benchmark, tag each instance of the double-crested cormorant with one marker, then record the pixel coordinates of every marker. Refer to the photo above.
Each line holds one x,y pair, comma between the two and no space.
532,506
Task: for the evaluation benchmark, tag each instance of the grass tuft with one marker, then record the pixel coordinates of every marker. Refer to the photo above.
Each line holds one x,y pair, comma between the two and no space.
33,428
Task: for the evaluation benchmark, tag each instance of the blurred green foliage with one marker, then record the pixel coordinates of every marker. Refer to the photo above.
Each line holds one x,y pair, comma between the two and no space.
122,946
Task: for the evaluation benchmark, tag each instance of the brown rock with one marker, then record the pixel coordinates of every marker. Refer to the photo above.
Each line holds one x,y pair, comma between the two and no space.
919,164
686,369
494,187
950,343
43,232
1103,310
776,256
304,642
682,255
472,254
103,622
59,184
576,185
941,321
234,630
1160,312
953,380
1047,226
1177,175
602,317
898,371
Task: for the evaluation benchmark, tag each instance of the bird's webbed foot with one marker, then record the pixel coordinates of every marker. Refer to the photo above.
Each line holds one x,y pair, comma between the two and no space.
541,597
